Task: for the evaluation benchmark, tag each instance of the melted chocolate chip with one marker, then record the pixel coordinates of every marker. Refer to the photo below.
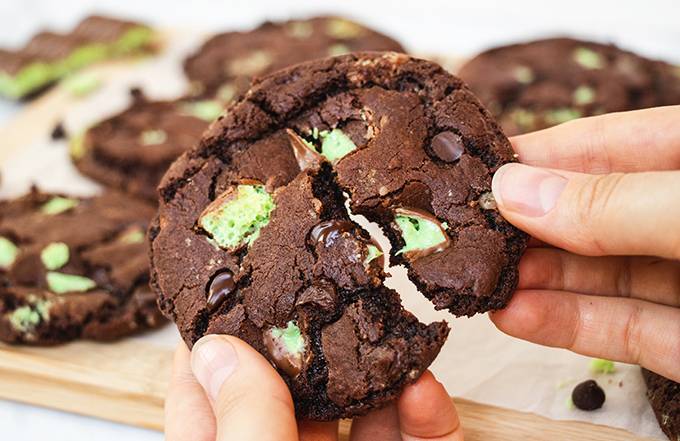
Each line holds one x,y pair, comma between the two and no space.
417,212
288,362
221,286
448,146
588,395
328,231
305,156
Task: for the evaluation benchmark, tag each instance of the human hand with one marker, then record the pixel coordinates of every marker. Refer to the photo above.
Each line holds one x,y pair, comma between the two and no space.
225,390
605,191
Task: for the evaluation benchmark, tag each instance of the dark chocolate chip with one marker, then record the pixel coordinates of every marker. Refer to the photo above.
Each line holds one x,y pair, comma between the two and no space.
448,146
221,286
289,363
588,395
328,231
58,132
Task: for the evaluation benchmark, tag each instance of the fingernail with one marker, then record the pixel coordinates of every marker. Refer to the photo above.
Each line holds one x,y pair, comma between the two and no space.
213,360
527,190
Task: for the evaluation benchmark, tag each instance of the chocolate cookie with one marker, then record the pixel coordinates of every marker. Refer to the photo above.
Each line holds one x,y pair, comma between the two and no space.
539,84
664,396
74,268
225,64
131,150
253,237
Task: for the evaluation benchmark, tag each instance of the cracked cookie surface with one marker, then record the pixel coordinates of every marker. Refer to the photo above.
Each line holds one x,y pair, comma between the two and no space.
531,86
403,141
74,268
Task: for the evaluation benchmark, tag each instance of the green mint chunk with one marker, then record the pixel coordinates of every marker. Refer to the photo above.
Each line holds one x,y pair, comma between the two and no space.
335,144
561,115
84,56
226,92
525,119
28,79
55,255
419,233
134,236
58,205
207,110
26,318
373,253
252,64
232,220
61,283
83,84
290,337
76,146
343,29
153,137
300,29
8,252
523,74
583,95
133,40
338,49
602,366
588,58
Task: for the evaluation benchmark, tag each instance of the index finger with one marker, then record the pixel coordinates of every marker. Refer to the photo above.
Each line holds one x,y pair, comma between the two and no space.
639,140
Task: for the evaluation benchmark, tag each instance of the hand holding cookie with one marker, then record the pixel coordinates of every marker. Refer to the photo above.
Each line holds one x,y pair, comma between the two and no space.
225,390
604,192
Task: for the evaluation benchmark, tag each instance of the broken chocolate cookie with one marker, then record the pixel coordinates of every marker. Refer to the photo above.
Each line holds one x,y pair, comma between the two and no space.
254,238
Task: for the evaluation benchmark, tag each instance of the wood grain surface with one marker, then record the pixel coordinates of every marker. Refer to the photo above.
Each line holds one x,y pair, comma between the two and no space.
126,382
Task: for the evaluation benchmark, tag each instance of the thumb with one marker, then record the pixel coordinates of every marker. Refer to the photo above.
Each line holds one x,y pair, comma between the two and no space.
250,400
611,214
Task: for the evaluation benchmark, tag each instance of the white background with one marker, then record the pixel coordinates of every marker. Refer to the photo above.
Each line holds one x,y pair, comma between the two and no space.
453,27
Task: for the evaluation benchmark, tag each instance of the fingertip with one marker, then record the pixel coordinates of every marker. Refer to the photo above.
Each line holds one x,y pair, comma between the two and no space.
426,410
496,184
523,315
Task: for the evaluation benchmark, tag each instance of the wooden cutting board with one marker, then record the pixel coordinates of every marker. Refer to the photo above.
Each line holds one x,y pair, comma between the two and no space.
126,381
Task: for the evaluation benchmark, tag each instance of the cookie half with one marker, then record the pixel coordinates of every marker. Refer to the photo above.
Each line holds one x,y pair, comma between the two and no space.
253,237
224,65
543,83
74,268
131,150
664,396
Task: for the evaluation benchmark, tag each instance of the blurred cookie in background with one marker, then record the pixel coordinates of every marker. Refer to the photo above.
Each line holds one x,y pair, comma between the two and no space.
531,86
74,268
131,150
50,56
224,65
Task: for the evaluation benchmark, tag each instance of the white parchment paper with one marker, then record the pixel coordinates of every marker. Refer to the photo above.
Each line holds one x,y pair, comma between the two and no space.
478,362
